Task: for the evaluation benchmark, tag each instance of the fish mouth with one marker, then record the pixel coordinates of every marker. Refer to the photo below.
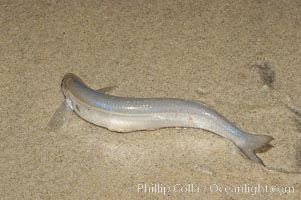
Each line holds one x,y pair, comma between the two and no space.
64,88
65,82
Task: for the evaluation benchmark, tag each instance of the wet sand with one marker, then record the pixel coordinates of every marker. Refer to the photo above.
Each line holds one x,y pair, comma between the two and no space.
242,58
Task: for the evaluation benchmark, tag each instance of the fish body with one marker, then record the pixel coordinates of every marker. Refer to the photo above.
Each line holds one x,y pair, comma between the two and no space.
122,114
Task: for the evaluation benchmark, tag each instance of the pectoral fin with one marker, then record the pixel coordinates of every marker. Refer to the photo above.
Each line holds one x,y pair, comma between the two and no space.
60,118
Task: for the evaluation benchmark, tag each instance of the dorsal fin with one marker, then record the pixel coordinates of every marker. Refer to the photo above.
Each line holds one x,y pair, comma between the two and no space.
106,89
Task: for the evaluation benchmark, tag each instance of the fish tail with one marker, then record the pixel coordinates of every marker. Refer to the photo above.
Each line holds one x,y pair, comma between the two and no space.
255,143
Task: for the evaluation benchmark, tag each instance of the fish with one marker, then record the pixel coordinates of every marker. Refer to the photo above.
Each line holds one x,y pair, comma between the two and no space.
124,114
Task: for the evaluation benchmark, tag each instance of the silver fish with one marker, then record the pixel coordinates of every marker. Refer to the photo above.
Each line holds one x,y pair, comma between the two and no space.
121,114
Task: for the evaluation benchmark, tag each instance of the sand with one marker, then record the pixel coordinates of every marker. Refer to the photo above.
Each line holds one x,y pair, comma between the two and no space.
243,58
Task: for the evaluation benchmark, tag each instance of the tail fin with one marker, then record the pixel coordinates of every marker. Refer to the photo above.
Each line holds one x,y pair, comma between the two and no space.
255,143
